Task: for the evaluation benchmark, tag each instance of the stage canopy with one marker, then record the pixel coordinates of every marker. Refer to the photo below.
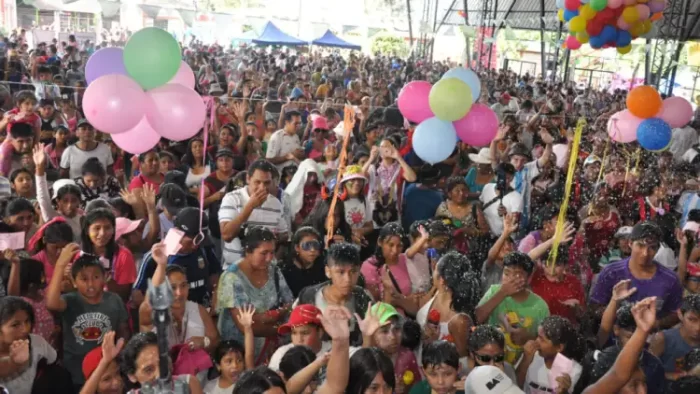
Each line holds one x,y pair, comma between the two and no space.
331,40
272,35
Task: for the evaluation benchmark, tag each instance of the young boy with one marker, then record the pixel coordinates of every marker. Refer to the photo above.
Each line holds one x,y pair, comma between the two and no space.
492,270
76,155
101,369
512,306
87,314
440,367
305,329
673,344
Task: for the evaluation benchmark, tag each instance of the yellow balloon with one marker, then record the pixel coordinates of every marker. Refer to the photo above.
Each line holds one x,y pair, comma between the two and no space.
560,14
646,26
582,37
637,29
450,99
586,12
630,14
624,50
577,24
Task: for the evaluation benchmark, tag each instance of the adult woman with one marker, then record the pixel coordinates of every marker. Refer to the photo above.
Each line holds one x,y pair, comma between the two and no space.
486,347
254,280
466,217
19,214
371,371
20,351
194,161
149,167
457,296
480,174
47,243
260,380
98,238
95,182
305,264
319,214
139,361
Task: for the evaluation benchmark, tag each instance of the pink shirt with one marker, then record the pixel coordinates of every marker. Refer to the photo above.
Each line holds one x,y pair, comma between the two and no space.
406,361
138,181
373,275
48,267
124,270
44,324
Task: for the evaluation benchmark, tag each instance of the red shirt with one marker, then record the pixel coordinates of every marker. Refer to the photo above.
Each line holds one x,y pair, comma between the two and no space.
554,293
138,181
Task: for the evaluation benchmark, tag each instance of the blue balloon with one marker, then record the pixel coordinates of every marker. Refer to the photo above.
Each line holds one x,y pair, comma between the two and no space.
434,140
624,38
654,134
609,33
467,76
596,42
568,14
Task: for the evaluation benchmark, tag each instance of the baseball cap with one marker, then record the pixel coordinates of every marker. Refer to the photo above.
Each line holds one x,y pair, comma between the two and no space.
125,226
224,152
591,159
301,315
491,380
91,361
61,183
646,230
172,198
623,232
506,96
386,312
84,123
187,220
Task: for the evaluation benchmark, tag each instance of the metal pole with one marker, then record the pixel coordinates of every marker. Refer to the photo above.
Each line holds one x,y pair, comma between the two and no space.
468,43
543,46
647,62
410,25
556,53
493,31
567,58
435,30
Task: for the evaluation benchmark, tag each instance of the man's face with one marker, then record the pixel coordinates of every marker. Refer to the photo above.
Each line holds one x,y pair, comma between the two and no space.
85,133
644,250
518,161
259,180
343,277
22,144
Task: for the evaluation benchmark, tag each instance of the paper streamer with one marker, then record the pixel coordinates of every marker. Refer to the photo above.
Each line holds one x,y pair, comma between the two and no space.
348,125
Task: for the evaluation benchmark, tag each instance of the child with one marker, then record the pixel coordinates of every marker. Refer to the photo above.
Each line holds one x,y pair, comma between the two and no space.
329,164
32,284
671,345
22,183
229,357
87,314
419,269
13,149
101,369
55,149
305,329
440,367
492,270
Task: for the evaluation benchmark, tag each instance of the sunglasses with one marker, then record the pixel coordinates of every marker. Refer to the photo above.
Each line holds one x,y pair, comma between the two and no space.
310,245
486,359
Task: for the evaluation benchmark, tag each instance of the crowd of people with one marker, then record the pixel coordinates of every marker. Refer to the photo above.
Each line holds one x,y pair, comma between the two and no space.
455,277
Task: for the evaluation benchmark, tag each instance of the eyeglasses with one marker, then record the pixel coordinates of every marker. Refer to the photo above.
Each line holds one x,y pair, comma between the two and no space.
310,245
487,359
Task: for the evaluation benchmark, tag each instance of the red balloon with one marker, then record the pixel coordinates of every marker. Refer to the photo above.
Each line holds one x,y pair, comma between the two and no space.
594,29
572,5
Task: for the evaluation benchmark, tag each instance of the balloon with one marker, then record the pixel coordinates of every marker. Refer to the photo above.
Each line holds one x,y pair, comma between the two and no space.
596,42
586,12
637,29
572,43
152,57
582,37
139,139
609,34
676,111
630,14
577,24
599,5
177,113
643,11
479,127
104,62
654,134
450,99
114,103
655,17
568,14
624,50
434,140
560,15
622,126
657,6
467,76
572,4
622,25
184,76
644,101
614,4
647,26
413,101
594,28
623,38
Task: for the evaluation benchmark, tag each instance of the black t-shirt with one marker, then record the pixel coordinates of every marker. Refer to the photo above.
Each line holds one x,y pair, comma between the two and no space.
298,278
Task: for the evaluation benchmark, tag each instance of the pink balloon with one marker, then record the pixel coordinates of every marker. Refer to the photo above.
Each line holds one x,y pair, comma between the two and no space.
622,24
622,126
644,12
413,101
657,6
141,138
114,103
614,4
478,127
676,111
630,2
184,76
572,43
177,113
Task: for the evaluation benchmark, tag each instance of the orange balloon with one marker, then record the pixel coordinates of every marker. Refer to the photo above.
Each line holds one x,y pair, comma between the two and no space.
644,102
657,16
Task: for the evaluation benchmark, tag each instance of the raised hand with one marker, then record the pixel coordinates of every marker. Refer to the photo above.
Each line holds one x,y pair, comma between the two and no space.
680,236
370,324
622,290
424,235
568,232
148,194
644,313
510,222
129,197
160,256
39,156
110,348
245,316
19,352
336,322
67,255
11,256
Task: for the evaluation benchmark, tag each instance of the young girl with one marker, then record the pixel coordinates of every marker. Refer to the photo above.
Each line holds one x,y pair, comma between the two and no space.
329,164
22,183
358,211
231,359
47,243
70,114
56,148
18,214
32,284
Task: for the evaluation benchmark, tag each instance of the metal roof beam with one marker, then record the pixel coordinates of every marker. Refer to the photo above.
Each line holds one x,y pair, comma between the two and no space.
503,22
444,18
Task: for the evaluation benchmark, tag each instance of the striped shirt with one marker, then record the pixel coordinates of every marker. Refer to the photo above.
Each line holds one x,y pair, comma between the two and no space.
270,215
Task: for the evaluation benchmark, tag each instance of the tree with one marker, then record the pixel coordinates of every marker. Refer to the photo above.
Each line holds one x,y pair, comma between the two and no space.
389,44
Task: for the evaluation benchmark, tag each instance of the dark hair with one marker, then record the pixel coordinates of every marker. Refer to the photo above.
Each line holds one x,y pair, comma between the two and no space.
94,167
132,349
67,190
650,181
692,359
453,182
258,381
188,157
319,214
251,237
226,347
624,318
83,262
31,273
436,228
10,305
144,155
506,168
21,130
262,165
90,218
121,206
18,171
389,230
520,260
56,232
414,231
684,385
343,253
365,364
17,205
485,334
175,269
289,115
304,232
455,269
23,96
691,303
296,359
561,332
440,352
411,333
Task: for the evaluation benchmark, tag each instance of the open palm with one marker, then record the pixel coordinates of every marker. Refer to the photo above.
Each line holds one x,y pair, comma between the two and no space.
370,324
336,322
622,290
245,316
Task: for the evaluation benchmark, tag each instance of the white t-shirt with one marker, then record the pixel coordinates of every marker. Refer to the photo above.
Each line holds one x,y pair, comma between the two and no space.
23,383
357,213
537,379
73,158
212,387
282,144
513,202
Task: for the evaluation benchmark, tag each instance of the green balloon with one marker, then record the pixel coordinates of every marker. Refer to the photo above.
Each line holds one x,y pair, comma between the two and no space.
450,99
599,5
152,57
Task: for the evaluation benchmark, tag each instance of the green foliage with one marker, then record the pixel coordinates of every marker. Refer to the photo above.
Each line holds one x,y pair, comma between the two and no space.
388,44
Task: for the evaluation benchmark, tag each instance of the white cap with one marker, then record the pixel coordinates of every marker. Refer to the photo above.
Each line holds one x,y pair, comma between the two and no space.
59,184
488,379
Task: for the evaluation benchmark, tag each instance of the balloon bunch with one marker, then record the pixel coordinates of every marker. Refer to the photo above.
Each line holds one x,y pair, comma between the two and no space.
445,111
609,23
143,92
649,119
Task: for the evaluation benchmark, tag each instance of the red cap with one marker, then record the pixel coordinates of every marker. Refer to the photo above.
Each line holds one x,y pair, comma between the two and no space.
506,96
434,316
91,361
301,316
694,269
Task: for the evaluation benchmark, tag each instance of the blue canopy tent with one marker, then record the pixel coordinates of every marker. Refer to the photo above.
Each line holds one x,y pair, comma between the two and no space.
331,40
272,35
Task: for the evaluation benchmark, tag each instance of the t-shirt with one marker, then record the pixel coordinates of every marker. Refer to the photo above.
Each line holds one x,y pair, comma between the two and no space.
212,387
165,226
420,203
528,314
665,286
513,202
420,273
537,378
40,349
298,278
73,158
373,274
139,181
281,144
84,326
123,269
357,213
554,293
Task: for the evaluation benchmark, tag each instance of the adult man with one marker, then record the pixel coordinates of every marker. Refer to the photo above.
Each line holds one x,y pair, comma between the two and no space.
252,204
76,155
284,147
502,106
499,199
41,79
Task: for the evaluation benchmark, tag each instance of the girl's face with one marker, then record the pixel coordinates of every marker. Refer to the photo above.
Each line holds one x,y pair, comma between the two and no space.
231,366
53,250
23,183
181,288
61,136
379,386
270,126
660,191
101,232
546,347
16,328
224,164
354,187
458,194
557,274
225,137
27,106
197,149
489,354
146,366
93,181
150,164
165,164
21,221
330,153
391,247
68,204
262,256
111,380
308,249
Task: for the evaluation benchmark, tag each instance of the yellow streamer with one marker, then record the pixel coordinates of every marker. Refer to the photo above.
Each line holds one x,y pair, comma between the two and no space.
600,173
561,221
